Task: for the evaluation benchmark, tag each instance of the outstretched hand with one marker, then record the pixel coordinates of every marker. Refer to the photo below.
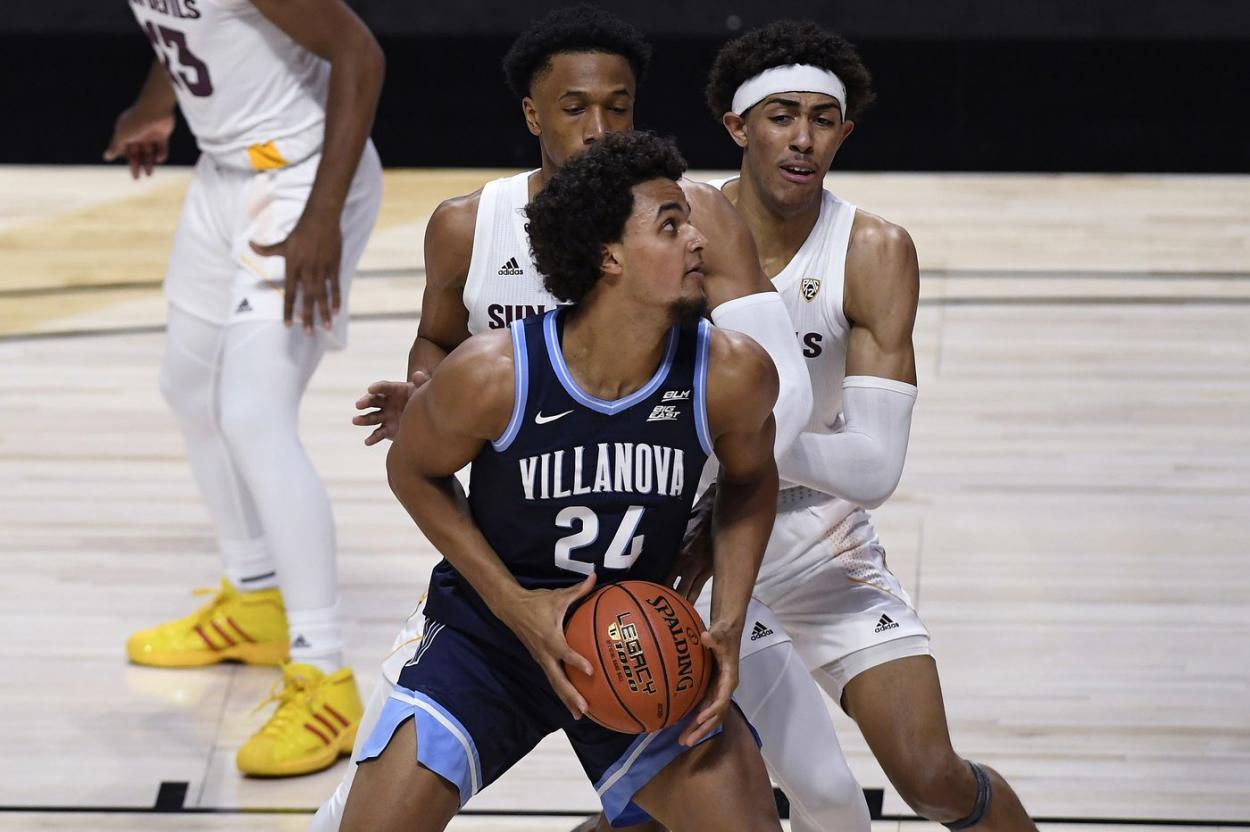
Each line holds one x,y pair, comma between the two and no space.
388,398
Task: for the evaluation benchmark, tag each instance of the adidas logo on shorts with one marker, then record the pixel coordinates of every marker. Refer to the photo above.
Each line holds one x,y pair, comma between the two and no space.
300,641
243,306
759,631
511,268
886,623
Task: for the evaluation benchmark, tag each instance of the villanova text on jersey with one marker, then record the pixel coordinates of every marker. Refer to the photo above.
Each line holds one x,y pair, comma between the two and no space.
578,484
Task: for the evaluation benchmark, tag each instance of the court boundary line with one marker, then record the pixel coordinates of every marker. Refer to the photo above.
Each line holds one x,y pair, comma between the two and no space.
171,797
565,813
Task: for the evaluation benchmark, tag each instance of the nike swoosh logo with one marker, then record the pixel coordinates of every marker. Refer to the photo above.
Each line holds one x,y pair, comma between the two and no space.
540,419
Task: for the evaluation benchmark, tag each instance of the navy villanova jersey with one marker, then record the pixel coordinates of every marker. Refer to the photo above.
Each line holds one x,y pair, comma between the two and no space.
577,484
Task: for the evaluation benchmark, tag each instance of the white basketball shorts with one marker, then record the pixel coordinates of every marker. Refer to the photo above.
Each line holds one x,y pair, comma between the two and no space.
213,272
826,582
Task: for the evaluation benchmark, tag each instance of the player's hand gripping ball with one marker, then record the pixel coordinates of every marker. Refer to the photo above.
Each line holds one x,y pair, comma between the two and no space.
645,644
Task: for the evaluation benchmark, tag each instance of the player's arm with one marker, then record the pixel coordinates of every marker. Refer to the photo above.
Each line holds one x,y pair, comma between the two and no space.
467,403
444,319
330,30
141,133
743,299
741,391
863,462
448,252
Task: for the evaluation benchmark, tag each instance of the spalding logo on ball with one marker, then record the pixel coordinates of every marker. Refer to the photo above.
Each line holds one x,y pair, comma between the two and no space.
651,666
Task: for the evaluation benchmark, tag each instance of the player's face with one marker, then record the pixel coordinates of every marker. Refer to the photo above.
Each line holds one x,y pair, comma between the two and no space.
790,140
582,97
661,252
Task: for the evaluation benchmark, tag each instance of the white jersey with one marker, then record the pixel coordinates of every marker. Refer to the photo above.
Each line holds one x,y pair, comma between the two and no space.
252,96
503,284
812,286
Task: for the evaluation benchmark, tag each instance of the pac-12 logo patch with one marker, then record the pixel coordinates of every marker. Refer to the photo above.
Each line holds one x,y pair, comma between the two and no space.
809,287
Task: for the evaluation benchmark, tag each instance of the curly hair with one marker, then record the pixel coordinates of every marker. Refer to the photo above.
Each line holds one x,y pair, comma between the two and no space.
581,28
782,43
586,204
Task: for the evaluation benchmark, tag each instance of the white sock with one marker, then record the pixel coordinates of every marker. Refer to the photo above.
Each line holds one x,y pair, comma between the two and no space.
248,564
317,638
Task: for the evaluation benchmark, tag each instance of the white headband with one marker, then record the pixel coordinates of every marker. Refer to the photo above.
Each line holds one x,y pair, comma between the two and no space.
792,78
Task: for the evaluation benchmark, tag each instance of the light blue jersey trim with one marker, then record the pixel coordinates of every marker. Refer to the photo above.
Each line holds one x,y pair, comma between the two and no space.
443,744
641,762
611,408
700,386
521,381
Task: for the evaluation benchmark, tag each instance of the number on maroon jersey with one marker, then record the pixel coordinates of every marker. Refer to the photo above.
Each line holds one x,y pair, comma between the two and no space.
199,85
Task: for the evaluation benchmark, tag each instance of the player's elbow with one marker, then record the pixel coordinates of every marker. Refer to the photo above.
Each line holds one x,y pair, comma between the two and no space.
374,58
371,62
359,52
876,489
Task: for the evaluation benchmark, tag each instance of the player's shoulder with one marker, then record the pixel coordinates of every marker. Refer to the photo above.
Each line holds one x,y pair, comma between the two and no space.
474,384
449,240
708,204
882,270
737,365
877,238
481,364
731,261
456,216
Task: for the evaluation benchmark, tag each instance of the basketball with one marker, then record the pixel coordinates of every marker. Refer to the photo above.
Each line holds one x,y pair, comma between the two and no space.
651,665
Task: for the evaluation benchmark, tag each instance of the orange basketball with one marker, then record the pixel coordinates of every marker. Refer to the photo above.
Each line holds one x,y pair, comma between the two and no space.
644,642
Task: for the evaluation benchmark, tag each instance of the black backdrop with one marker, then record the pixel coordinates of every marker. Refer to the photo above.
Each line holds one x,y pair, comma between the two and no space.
1114,85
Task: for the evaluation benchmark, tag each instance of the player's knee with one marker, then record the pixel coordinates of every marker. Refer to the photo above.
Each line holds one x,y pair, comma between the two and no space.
838,790
188,397
823,791
246,426
939,787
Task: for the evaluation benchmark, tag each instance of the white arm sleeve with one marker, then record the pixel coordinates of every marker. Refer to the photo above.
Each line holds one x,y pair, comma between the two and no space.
764,318
863,462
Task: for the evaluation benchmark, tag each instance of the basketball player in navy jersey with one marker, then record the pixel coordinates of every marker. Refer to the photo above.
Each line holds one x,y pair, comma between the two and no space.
575,73
627,383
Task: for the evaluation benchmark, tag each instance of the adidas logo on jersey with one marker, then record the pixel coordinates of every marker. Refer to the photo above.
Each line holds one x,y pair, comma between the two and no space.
676,396
511,268
300,641
664,413
886,623
243,306
759,631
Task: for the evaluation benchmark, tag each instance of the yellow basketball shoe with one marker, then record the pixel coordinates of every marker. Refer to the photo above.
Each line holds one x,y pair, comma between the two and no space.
315,724
234,626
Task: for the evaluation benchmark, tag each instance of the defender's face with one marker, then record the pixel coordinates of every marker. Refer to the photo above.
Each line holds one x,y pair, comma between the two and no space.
661,252
583,96
790,141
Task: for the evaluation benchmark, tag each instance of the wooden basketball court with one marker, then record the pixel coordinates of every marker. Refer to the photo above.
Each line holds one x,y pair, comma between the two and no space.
1074,519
